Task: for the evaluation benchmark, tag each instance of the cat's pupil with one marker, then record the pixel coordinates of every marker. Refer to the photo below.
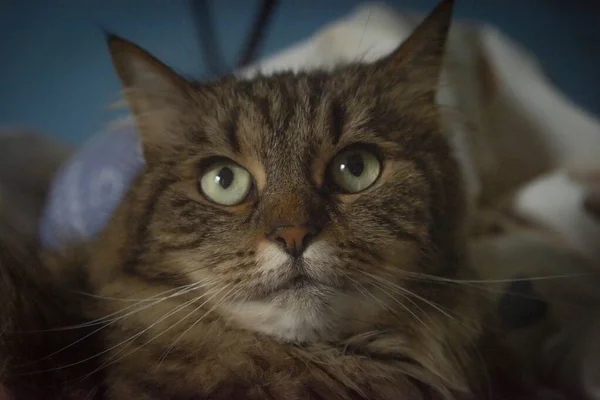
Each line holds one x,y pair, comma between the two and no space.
355,164
225,177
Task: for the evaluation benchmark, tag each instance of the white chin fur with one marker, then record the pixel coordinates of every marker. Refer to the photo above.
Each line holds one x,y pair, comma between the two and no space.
309,313
294,315
296,323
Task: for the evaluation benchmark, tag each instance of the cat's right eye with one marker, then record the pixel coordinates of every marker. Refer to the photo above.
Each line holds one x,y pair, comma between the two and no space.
354,170
225,183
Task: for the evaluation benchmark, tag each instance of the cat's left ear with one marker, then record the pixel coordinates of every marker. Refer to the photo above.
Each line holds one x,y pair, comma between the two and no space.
159,98
417,63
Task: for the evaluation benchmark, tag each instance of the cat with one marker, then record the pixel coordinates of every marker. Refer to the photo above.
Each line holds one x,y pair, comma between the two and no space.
287,239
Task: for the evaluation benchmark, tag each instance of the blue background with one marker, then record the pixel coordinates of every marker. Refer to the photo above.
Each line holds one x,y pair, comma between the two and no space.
56,76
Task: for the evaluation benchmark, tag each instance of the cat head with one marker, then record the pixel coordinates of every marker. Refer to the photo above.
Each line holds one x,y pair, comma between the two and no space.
301,202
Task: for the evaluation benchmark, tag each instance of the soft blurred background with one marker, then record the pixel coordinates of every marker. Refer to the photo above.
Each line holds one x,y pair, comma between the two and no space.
56,77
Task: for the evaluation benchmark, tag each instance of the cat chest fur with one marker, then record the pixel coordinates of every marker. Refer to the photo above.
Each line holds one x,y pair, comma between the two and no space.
229,364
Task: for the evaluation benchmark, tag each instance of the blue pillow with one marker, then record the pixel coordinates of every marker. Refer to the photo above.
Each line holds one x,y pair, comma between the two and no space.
90,185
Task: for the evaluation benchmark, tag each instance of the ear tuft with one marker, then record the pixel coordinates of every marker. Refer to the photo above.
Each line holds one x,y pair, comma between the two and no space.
109,36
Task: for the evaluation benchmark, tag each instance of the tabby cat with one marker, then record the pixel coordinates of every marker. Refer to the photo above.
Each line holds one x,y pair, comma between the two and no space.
276,246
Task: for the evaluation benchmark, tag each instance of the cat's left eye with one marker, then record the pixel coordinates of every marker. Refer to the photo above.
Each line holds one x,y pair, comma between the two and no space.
226,183
354,170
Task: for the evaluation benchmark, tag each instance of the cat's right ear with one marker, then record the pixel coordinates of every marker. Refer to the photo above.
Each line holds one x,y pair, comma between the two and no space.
158,97
417,63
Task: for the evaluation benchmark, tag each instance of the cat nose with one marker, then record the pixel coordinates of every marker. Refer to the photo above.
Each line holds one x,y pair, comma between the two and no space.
293,239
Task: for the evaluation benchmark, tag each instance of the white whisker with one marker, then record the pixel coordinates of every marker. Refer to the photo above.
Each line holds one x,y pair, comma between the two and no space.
380,287
217,304
113,360
98,330
506,280
179,291
406,293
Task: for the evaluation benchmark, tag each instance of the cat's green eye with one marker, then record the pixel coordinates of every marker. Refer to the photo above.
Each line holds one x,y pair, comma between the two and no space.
354,170
226,183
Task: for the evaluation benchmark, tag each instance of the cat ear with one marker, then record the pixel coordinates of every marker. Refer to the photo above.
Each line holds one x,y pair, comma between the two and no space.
419,59
157,96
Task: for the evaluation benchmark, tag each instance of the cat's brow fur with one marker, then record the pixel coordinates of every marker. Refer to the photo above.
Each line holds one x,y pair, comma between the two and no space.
364,326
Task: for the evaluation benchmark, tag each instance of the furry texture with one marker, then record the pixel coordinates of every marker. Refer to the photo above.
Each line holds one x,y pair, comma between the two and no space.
192,299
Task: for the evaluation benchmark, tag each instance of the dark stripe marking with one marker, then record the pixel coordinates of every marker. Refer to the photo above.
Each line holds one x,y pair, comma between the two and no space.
337,120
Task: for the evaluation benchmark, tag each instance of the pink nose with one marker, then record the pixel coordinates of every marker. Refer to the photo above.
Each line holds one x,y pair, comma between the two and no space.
293,239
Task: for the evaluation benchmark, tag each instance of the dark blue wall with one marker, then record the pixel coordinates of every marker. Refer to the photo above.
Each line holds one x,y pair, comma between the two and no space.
55,73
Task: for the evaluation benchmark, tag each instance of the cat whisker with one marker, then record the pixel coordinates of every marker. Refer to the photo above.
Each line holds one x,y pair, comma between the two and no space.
124,342
505,280
461,323
408,293
227,321
490,286
404,306
110,317
217,304
365,292
128,341
156,300
142,300
443,310
98,330
91,394
362,37
381,287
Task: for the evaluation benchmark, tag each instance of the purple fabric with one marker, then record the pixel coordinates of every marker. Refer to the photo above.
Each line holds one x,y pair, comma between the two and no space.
88,188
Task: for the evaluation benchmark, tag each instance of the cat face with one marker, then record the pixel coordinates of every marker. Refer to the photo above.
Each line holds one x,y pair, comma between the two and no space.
303,203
